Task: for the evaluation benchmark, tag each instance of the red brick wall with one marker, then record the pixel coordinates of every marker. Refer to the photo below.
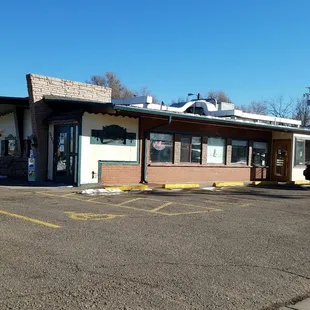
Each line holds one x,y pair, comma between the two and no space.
162,174
156,173
259,173
120,174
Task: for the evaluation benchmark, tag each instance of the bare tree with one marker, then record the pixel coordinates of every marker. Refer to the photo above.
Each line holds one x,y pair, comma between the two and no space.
145,91
179,100
256,107
111,80
302,112
279,107
119,90
219,95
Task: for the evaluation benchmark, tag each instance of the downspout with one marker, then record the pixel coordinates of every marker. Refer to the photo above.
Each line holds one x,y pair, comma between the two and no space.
146,133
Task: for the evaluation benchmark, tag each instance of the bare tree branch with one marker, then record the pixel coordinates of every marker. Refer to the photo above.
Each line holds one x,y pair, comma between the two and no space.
302,112
219,95
119,90
279,107
256,107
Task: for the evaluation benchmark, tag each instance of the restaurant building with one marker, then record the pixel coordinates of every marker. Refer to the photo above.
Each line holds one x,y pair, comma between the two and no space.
78,135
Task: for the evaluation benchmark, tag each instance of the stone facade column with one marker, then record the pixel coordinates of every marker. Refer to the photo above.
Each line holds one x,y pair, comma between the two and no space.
177,149
250,152
204,150
228,151
40,86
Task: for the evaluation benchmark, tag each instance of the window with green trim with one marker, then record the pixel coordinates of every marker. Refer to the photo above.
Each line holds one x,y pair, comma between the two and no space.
190,149
161,148
239,154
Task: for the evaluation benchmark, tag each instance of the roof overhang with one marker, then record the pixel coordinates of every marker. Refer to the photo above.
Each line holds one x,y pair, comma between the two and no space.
68,104
9,104
212,119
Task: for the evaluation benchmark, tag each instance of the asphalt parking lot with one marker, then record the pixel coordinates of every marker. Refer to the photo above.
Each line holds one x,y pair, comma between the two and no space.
241,248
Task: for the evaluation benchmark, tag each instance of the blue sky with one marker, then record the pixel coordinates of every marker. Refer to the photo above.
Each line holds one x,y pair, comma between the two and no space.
249,49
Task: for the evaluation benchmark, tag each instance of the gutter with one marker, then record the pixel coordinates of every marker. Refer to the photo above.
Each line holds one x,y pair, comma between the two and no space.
213,119
146,133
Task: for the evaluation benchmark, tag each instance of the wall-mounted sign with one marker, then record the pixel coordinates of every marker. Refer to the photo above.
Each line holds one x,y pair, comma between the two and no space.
113,135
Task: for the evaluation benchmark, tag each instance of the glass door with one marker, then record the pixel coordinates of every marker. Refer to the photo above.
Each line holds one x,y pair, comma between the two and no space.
281,160
65,154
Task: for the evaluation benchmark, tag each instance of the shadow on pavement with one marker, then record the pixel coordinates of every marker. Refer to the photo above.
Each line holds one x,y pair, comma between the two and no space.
270,192
10,182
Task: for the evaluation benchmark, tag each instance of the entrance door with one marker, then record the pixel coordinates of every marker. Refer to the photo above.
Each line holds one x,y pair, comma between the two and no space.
65,154
281,160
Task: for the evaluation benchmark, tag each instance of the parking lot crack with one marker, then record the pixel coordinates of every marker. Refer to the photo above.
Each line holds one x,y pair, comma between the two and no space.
210,266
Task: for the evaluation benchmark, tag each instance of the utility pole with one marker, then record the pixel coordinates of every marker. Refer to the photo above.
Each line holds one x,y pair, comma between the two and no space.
307,95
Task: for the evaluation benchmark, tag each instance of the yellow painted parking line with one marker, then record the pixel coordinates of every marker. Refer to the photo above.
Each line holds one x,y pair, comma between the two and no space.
47,194
26,218
67,195
92,216
152,211
162,206
128,201
188,213
54,195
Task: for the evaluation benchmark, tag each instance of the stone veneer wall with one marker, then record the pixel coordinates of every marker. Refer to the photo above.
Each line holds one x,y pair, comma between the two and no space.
40,86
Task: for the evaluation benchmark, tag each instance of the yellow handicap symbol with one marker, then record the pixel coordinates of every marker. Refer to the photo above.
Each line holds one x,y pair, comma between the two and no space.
91,216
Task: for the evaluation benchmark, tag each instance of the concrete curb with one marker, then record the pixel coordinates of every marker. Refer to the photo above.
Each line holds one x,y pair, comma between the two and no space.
126,188
301,182
226,184
180,185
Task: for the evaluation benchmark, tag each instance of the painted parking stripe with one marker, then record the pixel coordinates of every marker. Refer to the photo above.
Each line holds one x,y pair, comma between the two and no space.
29,219
162,206
166,203
128,201
92,216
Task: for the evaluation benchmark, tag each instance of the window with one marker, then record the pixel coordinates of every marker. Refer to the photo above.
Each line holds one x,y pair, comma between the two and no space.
307,161
260,154
302,152
190,149
239,152
161,148
27,148
216,151
9,147
299,152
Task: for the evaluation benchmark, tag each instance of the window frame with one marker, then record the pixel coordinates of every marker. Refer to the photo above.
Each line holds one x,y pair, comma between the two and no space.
304,140
225,150
190,149
5,148
247,153
172,149
267,159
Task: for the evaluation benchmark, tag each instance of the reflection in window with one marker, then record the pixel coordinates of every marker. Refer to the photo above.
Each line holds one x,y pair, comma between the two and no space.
307,152
190,149
299,152
302,152
161,148
239,152
216,151
260,154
